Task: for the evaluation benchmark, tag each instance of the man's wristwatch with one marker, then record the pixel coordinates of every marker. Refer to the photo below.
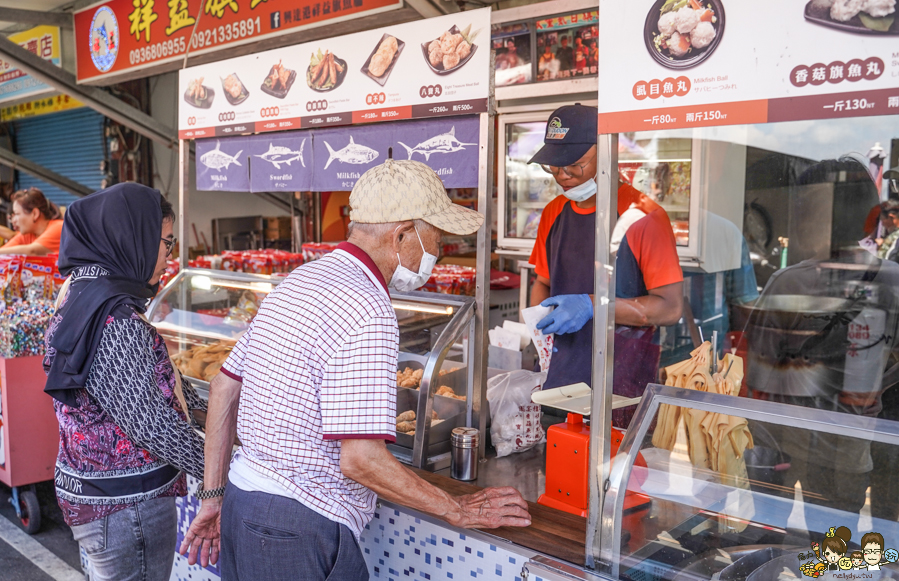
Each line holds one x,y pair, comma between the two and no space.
203,494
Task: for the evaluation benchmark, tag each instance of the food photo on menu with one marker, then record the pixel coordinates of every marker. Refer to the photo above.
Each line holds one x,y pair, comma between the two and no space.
199,95
449,52
857,16
279,81
680,34
383,58
235,91
326,71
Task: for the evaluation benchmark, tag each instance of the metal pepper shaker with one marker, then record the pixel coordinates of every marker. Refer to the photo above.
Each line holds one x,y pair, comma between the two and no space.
465,453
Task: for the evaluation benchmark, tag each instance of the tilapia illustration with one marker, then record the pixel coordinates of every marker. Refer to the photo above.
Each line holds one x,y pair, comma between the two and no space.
352,153
443,143
218,159
280,154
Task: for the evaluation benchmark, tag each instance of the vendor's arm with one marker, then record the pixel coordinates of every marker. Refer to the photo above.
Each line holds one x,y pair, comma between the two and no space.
661,307
539,290
33,249
7,233
369,463
125,386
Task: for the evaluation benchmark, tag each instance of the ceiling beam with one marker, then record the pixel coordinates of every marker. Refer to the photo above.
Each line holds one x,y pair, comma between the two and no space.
36,17
95,98
18,162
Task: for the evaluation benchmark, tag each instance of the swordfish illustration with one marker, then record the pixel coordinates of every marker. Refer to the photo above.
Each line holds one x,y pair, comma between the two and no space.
443,143
276,155
218,159
352,153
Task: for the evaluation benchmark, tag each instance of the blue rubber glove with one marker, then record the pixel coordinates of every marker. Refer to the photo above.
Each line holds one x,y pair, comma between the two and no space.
570,315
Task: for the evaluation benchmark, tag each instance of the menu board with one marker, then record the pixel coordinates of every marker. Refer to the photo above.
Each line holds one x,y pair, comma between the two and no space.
430,68
700,63
333,159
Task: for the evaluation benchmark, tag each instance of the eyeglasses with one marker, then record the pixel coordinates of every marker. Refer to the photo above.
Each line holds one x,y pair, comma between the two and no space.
575,170
169,245
872,551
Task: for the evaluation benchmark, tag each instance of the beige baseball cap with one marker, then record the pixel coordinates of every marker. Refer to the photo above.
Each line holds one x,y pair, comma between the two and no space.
399,190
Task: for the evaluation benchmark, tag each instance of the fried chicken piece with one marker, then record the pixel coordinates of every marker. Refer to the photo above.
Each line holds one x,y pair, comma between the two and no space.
446,391
407,416
405,427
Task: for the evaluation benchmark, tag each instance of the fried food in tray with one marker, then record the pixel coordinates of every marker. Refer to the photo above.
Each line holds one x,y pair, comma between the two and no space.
279,81
405,422
447,391
235,91
326,72
411,378
381,61
450,51
199,95
202,361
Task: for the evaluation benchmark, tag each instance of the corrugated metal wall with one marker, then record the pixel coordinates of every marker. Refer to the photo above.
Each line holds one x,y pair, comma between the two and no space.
70,143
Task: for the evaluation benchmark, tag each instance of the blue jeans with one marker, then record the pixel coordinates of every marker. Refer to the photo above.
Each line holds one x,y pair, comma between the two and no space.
272,538
136,543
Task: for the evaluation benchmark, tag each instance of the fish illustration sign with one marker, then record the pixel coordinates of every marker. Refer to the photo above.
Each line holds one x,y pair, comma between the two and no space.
281,162
222,165
327,160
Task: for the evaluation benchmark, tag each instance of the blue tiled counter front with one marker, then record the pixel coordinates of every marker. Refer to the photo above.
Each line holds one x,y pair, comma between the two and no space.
398,545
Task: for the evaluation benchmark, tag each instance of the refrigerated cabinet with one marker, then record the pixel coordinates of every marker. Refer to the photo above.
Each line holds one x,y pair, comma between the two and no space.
203,313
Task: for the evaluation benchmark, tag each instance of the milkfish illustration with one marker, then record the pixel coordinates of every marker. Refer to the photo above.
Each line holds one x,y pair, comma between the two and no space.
276,155
443,143
218,159
352,153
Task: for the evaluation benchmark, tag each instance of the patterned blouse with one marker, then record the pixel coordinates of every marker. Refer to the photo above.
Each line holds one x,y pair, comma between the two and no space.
127,440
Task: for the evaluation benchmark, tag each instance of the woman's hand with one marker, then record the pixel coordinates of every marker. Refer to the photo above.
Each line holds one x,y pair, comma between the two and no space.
205,533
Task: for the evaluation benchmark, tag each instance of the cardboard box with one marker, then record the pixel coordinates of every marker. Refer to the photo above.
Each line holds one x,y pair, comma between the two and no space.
277,228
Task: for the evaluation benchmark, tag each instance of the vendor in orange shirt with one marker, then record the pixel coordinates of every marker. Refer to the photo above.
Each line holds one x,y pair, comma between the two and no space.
39,224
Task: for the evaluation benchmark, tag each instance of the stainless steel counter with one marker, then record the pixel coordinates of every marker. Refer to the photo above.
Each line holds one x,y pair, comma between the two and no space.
526,472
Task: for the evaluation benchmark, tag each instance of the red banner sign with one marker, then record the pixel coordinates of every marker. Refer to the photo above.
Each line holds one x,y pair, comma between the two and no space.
120,36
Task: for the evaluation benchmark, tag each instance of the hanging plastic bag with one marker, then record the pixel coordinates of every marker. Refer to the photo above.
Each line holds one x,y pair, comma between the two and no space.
515,419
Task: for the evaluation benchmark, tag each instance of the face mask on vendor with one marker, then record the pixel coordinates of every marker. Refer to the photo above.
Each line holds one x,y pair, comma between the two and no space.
406,280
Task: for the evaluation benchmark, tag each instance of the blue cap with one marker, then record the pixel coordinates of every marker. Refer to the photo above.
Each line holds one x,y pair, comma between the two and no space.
570,133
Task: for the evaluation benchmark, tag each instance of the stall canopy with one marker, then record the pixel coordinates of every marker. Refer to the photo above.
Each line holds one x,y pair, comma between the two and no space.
334,158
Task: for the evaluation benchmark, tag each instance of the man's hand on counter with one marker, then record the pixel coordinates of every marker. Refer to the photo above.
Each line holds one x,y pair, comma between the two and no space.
491,508
369,463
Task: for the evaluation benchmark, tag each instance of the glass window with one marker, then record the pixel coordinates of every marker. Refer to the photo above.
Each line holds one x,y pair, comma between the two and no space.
715,496
512,43
566,46
528,187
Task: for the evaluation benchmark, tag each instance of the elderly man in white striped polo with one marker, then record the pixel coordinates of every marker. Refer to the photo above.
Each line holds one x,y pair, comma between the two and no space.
311,390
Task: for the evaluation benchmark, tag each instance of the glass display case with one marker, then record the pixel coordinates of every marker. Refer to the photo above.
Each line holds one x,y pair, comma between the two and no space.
202,314
524,189
756,497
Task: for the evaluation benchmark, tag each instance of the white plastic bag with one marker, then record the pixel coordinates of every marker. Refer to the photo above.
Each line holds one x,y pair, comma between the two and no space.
515,420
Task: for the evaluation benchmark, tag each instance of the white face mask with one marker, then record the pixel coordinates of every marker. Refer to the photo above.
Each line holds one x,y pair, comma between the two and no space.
404,279
582,192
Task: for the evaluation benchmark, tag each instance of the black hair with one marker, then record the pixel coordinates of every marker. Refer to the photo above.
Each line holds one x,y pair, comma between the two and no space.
168,211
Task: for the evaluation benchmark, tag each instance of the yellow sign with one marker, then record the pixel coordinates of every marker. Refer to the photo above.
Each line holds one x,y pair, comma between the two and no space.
40,40
39,107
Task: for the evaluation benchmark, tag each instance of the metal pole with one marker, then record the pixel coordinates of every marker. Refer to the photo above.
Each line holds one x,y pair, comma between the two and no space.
603,342
486,149
183,207
37,17
16,161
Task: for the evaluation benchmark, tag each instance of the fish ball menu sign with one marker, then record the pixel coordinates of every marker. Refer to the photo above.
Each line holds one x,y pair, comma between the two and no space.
429,68
333,159
666,64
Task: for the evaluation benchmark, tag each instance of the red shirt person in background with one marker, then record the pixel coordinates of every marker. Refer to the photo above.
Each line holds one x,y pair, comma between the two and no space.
39,224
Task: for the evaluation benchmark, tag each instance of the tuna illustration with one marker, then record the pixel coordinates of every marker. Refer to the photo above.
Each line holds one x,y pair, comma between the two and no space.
443,143
276,155
352,153
218,159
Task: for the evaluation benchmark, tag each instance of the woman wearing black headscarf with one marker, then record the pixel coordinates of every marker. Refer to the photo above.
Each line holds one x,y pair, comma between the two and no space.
125,439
